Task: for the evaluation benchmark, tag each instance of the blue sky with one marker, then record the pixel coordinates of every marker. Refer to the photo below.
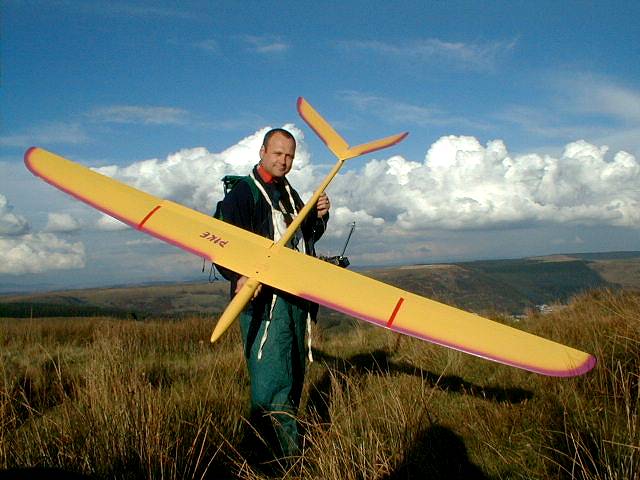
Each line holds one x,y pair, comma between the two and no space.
524,121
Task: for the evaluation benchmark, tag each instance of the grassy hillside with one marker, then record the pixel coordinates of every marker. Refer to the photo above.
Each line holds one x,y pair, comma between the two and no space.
625,273
112,398
542,281
506,286
141,302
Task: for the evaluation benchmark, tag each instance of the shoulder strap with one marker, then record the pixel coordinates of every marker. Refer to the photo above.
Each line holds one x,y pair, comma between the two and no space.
230,181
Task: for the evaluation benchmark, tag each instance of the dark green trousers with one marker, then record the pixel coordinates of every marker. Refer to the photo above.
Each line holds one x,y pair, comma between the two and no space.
278,376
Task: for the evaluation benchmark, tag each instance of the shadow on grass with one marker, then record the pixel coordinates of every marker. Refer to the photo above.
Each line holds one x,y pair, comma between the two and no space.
437,453
377,362
42,389
258,443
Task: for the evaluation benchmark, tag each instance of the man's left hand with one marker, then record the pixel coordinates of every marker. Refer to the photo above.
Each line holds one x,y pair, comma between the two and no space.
323,205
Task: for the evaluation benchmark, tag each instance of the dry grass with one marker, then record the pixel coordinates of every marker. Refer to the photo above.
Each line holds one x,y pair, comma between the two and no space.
121,399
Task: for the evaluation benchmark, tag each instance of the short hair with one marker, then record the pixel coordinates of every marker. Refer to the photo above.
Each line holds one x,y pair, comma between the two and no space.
272,132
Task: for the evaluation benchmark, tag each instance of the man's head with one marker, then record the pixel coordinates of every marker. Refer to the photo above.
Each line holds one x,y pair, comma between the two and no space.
277,152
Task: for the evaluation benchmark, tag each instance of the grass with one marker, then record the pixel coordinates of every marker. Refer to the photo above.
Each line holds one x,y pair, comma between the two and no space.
113,398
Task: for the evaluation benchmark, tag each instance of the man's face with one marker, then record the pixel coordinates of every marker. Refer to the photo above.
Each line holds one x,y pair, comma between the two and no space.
278,155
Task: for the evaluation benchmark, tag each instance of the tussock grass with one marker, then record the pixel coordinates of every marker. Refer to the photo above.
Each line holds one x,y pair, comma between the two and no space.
123,399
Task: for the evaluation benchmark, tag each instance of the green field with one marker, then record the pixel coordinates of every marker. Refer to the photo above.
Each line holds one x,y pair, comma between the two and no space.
116,398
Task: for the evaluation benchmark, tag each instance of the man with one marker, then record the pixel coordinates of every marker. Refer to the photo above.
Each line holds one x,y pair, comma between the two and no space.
273,325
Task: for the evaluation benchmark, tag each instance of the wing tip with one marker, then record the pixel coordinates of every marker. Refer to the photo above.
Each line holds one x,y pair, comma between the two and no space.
573,371
301,105
303,108
393,140
589,363
28,160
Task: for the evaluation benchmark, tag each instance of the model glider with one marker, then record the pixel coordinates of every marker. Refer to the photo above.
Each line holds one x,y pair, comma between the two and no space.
270,263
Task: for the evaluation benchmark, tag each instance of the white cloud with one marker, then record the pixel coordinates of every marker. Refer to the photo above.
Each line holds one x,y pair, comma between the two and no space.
266,44
402,113
110,224
140,114
127,9
602,96
193,176
405,210
49,134
464,185
143,241
460,185
477,56
11,223
61,223
148,11
581,105
39,252
23,252
391,111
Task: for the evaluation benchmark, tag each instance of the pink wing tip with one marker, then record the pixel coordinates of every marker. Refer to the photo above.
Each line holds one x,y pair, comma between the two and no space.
588,364
28,153
27,158
585,367
401,137
299,103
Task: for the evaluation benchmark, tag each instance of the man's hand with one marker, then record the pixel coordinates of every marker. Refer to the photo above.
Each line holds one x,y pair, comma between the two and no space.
323,205
241,281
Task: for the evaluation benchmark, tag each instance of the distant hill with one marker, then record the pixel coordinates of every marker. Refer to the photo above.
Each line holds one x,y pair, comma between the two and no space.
502,286
133,301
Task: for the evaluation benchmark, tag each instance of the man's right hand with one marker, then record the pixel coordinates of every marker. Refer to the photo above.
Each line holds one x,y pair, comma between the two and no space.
241,281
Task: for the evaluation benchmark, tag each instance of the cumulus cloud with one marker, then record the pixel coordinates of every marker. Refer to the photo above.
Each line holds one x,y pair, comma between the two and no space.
39,252
460,185
24,252
11,223
464,185
193,176
110,224
61,223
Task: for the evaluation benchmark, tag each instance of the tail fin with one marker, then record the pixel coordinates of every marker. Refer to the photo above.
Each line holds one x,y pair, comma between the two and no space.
334,141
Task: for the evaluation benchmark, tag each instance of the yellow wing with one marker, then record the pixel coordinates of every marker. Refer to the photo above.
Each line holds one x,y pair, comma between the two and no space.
393,308
201,234
307,277
334,141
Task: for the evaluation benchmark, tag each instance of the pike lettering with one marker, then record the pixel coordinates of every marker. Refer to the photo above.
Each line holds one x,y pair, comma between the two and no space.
212,237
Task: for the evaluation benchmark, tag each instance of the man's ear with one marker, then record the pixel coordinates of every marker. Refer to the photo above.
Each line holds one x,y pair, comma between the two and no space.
262,152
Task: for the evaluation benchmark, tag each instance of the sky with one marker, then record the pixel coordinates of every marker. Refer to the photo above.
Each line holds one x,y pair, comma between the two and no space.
523,121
